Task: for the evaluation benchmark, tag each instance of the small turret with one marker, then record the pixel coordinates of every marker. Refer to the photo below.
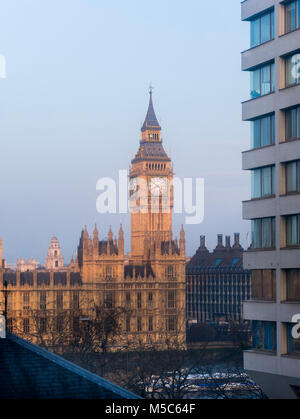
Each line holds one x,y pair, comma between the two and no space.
85,237
96,238
182,242
121,241
110,235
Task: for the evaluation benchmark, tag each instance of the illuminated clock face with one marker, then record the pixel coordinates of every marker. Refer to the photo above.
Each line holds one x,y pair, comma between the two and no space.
158,184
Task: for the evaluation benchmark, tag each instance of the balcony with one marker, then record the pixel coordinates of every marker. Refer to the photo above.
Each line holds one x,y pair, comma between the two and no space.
267,51
258,55
261,259
259,208
288,96
259,157
289,258
260,361
289,204
262,105
260,310
289,150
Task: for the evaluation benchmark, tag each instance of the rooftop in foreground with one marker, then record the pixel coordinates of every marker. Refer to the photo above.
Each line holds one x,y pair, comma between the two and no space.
30,372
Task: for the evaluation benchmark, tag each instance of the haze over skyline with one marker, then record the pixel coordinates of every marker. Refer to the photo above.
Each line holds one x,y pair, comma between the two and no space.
75,97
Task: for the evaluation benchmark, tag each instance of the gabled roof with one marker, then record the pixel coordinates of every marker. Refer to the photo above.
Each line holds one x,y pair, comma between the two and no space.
151,120
30,372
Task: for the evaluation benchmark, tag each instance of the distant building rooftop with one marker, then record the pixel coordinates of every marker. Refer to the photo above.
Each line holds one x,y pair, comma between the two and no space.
30,372
223,257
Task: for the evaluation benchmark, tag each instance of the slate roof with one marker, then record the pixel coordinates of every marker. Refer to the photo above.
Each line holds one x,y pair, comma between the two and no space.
169,248
220,258
30,372
150,120
151,151
134,271
103,247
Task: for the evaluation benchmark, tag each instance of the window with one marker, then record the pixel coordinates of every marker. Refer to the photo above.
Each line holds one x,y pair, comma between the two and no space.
293,70
10,301
26,326
262,81
264,336
10,325
263,182
171,324
139,324
43,300
293,230
293,285
128,299
139,300
26,301
170,272
56,263
60,301
263,132
109,299
292,16
263,233
108,272
293,177
76,325
75,300
264,284
293,345
150,324
150,300
60,324
292,124
42,325
171,299
262,29
128,324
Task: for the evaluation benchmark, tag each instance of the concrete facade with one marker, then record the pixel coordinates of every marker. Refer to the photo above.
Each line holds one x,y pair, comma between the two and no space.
277,371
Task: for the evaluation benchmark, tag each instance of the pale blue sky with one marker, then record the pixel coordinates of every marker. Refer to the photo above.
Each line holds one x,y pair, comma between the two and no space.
76,94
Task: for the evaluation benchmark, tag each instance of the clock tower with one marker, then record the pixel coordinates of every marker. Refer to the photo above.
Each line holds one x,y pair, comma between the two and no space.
151,167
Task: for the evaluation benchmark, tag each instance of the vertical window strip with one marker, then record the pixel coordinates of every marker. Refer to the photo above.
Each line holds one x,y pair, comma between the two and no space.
262,29
263,132
292,16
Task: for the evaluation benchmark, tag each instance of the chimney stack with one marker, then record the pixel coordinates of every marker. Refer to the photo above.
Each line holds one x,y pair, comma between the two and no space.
228,242
202,241
237,239
220,240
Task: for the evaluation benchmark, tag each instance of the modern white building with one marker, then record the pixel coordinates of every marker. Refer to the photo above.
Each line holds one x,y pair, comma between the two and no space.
273,62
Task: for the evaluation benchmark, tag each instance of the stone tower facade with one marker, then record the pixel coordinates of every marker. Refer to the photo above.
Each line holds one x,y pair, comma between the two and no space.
152,284
54,259
148,288
152,168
